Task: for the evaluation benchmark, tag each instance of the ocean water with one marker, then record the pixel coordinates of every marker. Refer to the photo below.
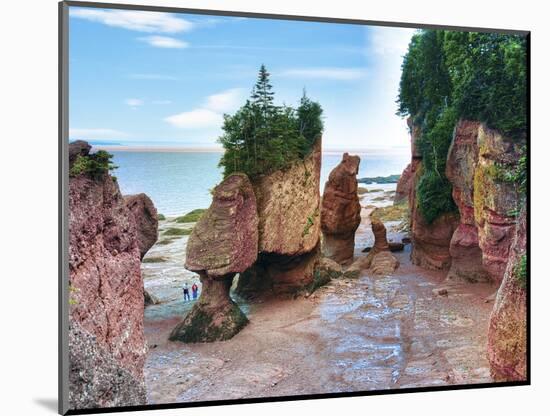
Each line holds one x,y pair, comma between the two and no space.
179,182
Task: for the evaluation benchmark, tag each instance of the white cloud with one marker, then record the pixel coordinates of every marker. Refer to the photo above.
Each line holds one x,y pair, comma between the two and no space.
140,21
225,101
337,74
161,102
96,134
210,114
196,119
153,77
134,102
164,42
392,41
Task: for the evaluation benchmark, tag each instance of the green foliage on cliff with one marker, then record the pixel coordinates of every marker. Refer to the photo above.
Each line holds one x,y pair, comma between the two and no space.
262,137
450,75
94,165
520,271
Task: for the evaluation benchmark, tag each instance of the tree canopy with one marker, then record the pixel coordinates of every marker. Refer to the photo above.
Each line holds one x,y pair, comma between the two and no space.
262,137
448,75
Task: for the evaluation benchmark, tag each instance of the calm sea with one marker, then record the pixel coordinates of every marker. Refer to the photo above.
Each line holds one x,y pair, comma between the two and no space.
179,182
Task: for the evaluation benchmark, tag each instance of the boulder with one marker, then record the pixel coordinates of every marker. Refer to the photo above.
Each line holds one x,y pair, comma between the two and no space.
495,200
341,211
146,217
106,287
289,229
404,186
324,271
462,159
149,299
224,242
507,337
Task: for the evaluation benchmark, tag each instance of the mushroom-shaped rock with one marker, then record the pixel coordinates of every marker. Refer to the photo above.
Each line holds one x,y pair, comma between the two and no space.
146,217
341,211
224,242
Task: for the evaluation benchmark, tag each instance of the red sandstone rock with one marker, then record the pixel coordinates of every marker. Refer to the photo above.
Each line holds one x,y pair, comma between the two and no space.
106,287
415,132
146,217
341,211
380,261
494,201
404,186
289,229
225,239
224,242
507,338
460,168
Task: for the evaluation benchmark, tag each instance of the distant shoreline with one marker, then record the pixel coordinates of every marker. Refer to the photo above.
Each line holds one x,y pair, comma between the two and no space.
178,149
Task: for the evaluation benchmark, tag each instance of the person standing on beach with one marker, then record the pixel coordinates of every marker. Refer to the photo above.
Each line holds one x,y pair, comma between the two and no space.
186,292
195,290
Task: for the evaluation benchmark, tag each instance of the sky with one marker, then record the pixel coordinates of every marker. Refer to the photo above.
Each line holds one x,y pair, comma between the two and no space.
154,78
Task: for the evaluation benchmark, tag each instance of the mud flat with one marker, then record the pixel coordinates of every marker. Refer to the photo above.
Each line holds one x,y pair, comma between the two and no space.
351,335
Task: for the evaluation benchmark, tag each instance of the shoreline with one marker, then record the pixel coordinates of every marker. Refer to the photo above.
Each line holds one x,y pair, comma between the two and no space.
183,149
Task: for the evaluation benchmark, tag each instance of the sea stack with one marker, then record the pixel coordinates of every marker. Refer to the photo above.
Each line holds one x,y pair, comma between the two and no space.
380,260
289,228
341,211
223,243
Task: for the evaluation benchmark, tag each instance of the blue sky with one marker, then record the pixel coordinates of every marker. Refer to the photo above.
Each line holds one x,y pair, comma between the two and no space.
157,78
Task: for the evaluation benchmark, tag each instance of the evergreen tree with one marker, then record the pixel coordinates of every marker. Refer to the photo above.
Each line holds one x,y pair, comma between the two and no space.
261,137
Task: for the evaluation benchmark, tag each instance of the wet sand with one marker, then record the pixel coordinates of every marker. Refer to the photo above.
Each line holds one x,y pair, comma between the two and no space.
351,335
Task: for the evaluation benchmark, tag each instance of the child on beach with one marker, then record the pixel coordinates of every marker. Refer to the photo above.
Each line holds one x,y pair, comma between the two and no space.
195,290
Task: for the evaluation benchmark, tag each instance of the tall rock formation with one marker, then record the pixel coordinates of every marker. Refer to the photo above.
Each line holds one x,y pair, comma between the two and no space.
507,339
495,200
289,228
430,242
106,293
380,261
461,164
224,242
146,218
341,211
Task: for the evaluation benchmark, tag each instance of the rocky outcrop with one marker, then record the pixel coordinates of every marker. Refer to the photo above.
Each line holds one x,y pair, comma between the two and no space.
495,200
289,228
96,379
146,218
507,338
380,261
341,211
404,185
466,255
78,148
224,242
106,287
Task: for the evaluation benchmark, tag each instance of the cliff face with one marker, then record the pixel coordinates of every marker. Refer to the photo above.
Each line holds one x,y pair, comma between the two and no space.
494,200
341,211
106,287
462,161
289,230
404,185
507,345
430,242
